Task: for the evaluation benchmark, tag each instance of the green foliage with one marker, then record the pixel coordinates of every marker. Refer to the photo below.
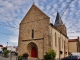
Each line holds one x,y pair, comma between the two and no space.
4,48
50,55
20,57
25,55
6,52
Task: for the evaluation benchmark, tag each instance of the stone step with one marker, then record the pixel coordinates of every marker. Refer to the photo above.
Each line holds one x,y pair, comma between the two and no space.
32,58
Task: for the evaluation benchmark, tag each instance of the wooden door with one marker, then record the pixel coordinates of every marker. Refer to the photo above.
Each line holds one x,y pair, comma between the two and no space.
34,52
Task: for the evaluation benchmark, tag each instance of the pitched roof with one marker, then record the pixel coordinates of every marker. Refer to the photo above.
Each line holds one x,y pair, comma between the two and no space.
57,29
1,45
73,40
58,20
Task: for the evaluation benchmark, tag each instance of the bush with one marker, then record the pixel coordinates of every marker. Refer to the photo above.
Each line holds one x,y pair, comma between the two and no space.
50,55
6,52
25,55
4,48
20,57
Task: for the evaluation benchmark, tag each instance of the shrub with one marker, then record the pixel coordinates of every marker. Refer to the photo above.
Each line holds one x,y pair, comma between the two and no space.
6,52
25,55
47,56
50,55
4,48
20,57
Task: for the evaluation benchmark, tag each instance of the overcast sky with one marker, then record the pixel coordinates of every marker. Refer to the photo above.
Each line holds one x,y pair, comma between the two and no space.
13,11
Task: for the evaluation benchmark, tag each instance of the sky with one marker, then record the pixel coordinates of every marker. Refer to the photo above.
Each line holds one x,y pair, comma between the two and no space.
13,11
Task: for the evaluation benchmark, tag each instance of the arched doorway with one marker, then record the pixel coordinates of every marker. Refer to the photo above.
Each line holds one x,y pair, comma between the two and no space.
32,50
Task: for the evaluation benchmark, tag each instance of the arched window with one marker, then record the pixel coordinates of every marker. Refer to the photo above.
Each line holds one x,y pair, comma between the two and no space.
32,33
55,39
62,42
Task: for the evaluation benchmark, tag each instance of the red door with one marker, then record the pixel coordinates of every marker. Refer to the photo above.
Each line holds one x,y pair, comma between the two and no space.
34,52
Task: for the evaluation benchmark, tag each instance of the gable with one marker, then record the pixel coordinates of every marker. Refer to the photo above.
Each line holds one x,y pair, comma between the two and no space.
34,14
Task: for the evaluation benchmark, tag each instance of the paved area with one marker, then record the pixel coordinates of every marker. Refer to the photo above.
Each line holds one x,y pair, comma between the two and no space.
9,58
14,58
2,58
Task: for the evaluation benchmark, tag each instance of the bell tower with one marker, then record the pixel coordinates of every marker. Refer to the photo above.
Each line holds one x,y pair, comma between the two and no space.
59,24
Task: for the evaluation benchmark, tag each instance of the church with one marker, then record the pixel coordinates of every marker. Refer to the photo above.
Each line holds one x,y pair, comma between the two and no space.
37,35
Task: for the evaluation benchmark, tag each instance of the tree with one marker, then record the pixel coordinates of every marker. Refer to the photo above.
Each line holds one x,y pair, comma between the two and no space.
4,48
5,52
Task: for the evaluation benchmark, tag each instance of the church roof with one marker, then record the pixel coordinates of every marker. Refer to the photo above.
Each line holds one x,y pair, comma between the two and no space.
73,40
58,20
1,45
51,24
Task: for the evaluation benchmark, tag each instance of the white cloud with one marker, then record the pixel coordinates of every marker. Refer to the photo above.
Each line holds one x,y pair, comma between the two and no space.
55,5
8,5
63,5
72,5
37,2
79,2
48,7
13,11
13,40
44,0
67,0
61,0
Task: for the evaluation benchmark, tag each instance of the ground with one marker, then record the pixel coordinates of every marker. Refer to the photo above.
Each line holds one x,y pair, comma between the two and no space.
3,58
13,58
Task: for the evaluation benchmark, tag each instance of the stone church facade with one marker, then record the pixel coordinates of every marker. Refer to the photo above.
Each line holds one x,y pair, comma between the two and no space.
37,35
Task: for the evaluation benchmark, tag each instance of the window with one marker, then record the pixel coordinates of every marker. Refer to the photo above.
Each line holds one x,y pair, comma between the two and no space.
55,39
32,33
62,42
